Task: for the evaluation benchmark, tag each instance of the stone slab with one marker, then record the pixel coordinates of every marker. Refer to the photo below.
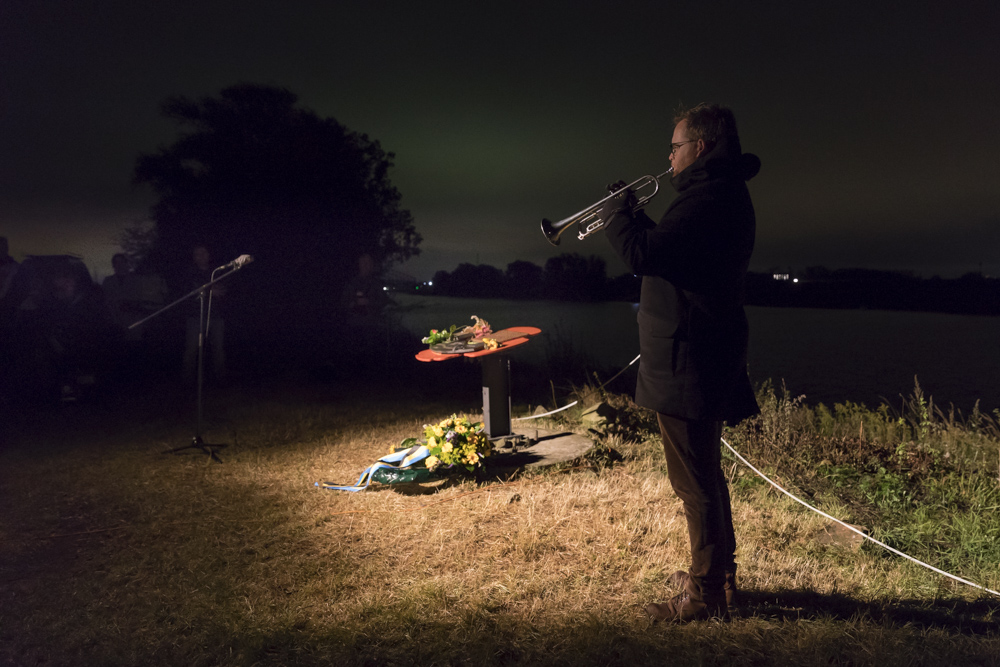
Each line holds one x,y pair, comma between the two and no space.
543,448
836,535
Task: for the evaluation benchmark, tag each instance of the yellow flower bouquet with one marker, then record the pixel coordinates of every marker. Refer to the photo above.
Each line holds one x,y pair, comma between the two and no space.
452,443
457,441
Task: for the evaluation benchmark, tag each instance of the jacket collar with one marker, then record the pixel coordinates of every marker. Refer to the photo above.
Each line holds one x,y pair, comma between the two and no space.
724,160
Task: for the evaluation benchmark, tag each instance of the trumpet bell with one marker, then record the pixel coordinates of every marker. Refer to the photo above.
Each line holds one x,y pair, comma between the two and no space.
553,230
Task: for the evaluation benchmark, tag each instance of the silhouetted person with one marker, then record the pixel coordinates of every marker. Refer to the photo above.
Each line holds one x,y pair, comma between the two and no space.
8,269
8,309
132,297
364,296
12,289
363,302
199,274
122,292
77,328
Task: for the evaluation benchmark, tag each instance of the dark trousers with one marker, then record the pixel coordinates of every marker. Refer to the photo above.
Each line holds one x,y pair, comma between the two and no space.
694,466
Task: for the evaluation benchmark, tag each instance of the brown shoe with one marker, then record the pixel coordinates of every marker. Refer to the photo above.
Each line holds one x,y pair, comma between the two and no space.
680,580
684,608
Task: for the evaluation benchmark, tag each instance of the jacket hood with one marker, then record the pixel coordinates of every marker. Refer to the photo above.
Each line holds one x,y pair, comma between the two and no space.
724,160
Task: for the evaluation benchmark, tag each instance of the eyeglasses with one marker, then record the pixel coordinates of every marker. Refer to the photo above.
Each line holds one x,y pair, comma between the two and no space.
674,147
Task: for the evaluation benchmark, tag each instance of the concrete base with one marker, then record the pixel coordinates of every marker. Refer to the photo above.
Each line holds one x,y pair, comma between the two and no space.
524,448
535,448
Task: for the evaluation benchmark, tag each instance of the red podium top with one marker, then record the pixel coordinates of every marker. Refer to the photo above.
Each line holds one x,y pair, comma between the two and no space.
508,338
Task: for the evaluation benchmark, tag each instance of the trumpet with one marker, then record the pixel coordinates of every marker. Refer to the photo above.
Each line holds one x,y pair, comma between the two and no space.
589,219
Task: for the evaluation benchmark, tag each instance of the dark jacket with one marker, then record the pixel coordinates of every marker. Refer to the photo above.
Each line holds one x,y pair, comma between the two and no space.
693,331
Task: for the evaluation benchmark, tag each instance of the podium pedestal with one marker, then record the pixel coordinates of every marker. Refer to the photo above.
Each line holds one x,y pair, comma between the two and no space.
496,396
496,377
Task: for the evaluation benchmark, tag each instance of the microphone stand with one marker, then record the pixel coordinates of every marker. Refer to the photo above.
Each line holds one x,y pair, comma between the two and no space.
196,441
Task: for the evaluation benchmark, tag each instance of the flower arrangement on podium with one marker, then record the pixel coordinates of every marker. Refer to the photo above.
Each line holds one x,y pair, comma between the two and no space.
477,331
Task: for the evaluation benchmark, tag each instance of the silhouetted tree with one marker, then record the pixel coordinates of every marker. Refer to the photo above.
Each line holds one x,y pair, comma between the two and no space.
524,280
251,173
572,277
811,273
476,280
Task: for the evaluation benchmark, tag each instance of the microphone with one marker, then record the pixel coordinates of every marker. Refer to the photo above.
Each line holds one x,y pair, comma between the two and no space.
237,263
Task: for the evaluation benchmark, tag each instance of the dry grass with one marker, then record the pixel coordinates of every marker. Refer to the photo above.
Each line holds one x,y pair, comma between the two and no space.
113,553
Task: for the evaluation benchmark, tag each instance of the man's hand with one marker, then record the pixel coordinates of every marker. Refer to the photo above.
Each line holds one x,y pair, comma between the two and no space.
624,202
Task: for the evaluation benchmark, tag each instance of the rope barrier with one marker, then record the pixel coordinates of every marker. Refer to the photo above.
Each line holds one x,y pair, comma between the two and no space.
801,502
567,407
852,528
546,414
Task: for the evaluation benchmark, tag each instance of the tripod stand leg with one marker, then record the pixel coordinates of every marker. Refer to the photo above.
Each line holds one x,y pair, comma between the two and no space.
198,443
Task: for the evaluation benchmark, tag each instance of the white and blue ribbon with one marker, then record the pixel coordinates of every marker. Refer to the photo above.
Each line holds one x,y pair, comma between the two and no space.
404,458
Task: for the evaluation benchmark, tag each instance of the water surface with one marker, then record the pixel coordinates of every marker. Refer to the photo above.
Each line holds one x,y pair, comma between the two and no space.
830,356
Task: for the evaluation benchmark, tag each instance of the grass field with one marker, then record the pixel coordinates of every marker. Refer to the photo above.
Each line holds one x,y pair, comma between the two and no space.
114,553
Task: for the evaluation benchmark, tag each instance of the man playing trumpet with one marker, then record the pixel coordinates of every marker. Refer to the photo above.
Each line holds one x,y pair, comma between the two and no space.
693,336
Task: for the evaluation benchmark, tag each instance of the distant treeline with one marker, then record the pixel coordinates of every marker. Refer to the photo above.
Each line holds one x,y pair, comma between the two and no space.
571,277
818,287
568,277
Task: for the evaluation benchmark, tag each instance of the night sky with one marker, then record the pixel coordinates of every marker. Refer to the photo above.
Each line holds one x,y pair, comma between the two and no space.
876,122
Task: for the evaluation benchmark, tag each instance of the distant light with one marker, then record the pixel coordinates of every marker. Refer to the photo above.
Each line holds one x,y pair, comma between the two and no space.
430,283
795,280
385,289
780,276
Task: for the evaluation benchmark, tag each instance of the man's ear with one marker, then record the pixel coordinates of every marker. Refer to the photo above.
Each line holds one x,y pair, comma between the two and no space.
701,147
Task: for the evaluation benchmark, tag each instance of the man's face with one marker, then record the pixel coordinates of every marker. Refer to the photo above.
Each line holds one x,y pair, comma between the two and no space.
686,151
